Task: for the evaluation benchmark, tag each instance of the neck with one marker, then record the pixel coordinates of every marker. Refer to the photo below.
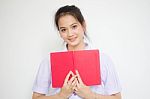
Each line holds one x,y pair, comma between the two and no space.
81,46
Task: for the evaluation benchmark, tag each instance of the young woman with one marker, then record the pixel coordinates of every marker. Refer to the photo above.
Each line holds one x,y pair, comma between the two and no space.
72,29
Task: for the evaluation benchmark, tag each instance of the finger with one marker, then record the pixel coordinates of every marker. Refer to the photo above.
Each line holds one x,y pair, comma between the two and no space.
75,89
71,80
74,82
67,77
77,84
79,77
73,85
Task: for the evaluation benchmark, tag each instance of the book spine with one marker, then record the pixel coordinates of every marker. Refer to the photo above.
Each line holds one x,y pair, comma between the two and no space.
73,60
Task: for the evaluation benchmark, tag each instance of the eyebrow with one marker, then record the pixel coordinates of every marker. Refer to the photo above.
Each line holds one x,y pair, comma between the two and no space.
70,25
73,24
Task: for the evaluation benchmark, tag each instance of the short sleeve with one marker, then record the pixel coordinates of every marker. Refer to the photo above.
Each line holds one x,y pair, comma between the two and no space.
43,79
109,76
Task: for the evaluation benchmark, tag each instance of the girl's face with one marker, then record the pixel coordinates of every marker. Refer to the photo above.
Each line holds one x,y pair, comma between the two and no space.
71,31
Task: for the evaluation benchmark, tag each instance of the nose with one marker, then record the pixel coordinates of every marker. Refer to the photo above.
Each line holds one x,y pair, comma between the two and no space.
70,32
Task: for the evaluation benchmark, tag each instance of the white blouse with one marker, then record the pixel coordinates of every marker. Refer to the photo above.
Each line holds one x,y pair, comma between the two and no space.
110,82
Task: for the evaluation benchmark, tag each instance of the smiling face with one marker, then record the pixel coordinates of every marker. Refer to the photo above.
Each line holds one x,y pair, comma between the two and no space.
72,32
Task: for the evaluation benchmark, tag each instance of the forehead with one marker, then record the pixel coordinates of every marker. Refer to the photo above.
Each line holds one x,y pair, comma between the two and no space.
67,20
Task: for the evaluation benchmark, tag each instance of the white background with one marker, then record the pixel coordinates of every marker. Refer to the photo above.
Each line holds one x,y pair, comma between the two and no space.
121,28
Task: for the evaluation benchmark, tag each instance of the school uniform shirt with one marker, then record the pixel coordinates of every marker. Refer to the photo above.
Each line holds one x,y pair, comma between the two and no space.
109,80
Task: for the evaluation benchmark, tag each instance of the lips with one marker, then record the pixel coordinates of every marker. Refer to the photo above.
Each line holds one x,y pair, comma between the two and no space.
72,39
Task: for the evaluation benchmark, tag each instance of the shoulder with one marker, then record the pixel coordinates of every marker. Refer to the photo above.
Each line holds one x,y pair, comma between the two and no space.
105,60
105,57
45,59
44,64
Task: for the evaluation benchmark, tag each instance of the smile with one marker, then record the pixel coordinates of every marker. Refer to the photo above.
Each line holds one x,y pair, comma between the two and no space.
72,40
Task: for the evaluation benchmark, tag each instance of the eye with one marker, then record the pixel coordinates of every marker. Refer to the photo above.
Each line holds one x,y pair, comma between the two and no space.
63,30
74,26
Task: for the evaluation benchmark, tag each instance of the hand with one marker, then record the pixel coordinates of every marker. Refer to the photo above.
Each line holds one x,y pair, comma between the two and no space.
68,86
81,89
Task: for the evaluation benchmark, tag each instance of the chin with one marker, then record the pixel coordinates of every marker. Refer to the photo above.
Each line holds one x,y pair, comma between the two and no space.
72,44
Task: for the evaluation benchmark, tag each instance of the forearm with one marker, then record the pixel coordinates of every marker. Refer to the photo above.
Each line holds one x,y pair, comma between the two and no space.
56,96
99,96
47,97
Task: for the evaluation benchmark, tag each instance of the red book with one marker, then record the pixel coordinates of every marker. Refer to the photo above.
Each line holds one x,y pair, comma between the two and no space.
87,62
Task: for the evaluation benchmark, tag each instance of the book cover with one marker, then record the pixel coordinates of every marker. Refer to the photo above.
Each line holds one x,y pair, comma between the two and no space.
87,62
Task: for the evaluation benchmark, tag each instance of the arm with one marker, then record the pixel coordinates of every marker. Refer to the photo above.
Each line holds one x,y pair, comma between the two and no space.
84,91
65,91
42,96
98,96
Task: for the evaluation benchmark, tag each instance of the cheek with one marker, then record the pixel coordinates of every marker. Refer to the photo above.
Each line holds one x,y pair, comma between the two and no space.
78,31
63,36
81,32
